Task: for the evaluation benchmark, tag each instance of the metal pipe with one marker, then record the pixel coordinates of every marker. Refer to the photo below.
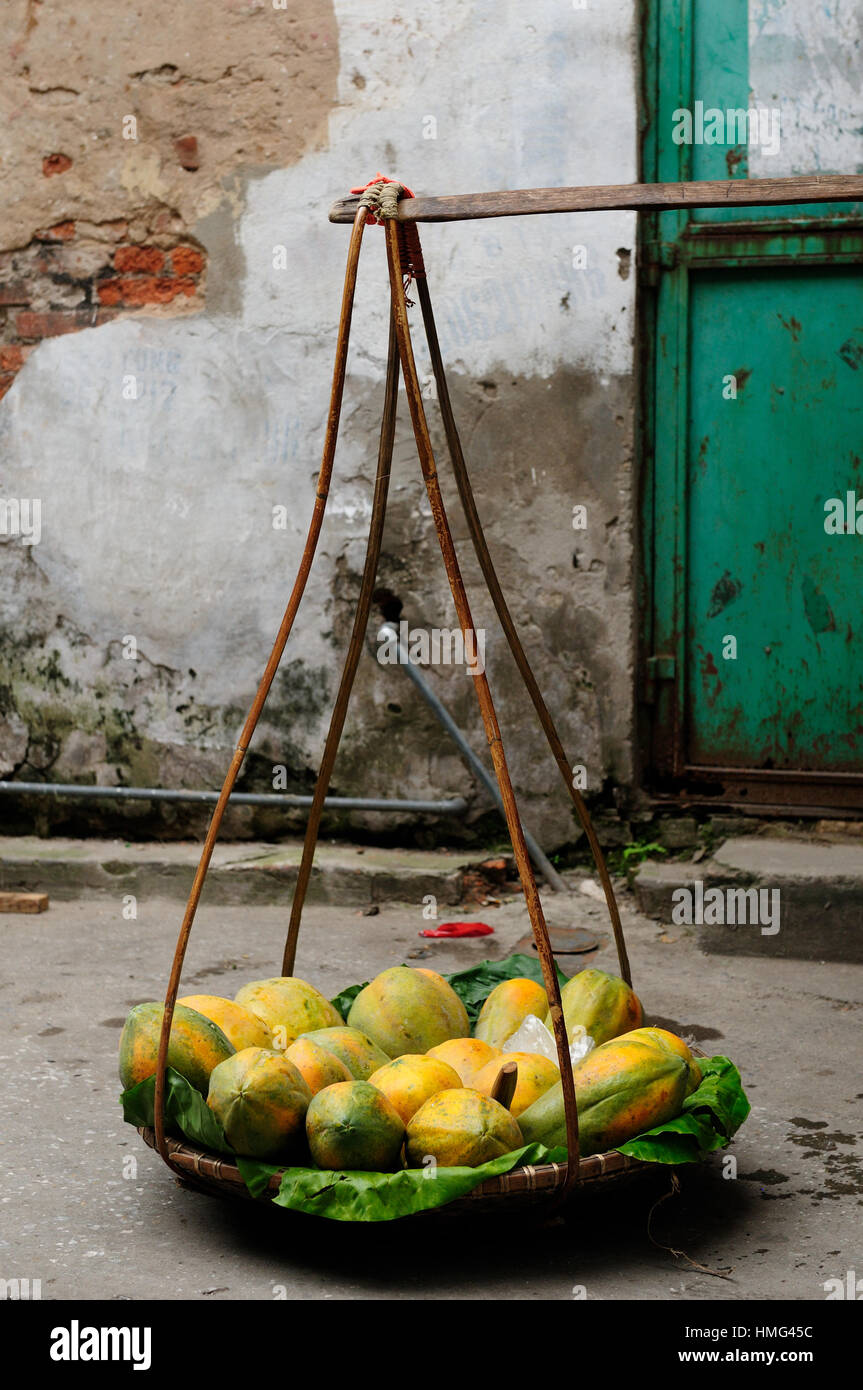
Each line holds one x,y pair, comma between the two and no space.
452,806
390,633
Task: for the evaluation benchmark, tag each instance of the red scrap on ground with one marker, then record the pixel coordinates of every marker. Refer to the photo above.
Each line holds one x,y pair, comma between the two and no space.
459,929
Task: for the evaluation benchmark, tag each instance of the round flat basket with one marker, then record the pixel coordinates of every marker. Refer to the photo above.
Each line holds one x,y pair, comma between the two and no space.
220,1176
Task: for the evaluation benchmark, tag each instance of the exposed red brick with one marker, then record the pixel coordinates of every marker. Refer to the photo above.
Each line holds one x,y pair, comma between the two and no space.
13,357
185,260
54,322
148,289
187,152
6,380
144,258
14,294
110,291
61,231
55,164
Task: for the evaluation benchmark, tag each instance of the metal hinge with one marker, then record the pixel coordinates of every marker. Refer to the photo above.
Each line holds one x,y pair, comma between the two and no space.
657,256
661,667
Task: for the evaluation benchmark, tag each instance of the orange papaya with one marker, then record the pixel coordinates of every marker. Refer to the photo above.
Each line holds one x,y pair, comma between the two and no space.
460,1129
507,1007
411,1079
240,1026
534,1075
467,1056
669,1042
403,1010
317,1066
195,1047
352,1125
604,1005
260,1099
622,1088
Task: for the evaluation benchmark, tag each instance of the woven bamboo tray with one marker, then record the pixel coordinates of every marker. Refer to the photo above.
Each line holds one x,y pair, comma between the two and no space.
549,1183
220,1176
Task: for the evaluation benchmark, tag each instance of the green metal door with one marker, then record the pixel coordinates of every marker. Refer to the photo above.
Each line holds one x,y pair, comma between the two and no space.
753,426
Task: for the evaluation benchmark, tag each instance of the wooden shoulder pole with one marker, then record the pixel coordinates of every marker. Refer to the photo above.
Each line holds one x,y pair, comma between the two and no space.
701,193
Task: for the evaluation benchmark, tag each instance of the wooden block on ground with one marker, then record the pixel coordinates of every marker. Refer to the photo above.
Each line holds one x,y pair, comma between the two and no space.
23,902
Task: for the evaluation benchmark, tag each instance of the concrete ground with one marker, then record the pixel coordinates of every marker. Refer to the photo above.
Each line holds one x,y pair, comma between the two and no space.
93,1213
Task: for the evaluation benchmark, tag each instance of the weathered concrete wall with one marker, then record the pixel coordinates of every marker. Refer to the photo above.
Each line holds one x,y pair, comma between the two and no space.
158,496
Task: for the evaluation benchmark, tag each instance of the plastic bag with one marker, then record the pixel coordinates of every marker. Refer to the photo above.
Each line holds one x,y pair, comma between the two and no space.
533,1036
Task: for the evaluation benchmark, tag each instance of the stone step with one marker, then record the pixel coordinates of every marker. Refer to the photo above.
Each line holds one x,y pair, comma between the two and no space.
344,874
791,897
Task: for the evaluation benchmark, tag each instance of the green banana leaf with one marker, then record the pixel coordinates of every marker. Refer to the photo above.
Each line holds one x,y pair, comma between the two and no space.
708,1120
354,1196
186,1111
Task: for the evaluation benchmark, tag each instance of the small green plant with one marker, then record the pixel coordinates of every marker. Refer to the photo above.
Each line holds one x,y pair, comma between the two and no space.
623,861
640,850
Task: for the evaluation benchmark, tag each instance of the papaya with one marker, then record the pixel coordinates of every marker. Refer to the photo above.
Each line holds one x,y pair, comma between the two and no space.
533,1077
669,1042
467,1056
404,1010
260,1100
507,1007
352,1125
195,1047
360,1055
288,1006
622,1088
411,1079
451,1000
318,1067
460,1129
602,1004
240,1026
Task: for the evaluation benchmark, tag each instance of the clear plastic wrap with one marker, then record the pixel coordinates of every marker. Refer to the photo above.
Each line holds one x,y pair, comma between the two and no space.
534,1036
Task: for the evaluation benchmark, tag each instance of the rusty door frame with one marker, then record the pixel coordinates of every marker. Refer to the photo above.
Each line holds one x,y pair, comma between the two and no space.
671,245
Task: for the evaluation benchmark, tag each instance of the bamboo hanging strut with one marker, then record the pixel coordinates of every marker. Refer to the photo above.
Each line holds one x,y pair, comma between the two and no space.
361,618
483,692
321,493
404,258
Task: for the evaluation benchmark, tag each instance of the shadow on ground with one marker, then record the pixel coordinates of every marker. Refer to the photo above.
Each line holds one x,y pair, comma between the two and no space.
621,1229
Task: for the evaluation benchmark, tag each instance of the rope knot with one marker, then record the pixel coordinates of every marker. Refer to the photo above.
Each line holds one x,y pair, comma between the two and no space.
380,197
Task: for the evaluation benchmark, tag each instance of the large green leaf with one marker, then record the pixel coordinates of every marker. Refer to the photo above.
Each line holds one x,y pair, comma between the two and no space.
186,1111
354,1196
343,1001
